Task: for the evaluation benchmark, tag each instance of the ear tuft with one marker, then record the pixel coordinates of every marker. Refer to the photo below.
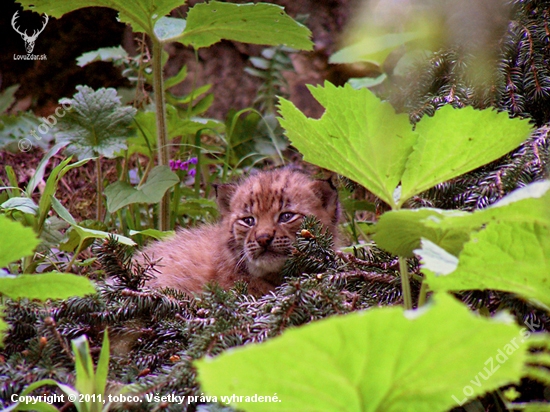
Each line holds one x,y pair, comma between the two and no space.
224,194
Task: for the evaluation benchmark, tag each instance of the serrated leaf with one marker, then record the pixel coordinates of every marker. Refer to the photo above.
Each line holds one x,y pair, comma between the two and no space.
44,286
103,54
508,256
16,241
399,232
97,123
358,136
120,194
370,363
262,23
456,141
141,15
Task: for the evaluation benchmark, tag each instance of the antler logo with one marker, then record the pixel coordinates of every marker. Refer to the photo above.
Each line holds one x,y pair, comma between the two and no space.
29,40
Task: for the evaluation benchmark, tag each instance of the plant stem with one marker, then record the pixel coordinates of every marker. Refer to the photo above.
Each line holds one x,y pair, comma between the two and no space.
405,284
199,164
99,190
162,146
423,292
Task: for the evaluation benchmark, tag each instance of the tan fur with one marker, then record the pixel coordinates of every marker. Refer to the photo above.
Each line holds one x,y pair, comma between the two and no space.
259,220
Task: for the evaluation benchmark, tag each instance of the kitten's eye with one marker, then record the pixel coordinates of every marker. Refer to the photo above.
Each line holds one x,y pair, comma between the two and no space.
248,221
286,217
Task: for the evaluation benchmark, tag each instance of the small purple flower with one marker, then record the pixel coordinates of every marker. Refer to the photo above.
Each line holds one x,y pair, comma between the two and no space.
193,160
178,165
192,172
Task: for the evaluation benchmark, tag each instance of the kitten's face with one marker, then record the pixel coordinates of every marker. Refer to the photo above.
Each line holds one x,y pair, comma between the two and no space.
265,211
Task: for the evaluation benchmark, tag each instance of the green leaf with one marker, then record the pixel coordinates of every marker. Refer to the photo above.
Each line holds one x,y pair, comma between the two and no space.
177,79
508,256
121,194
102,369
103,54
51,186
16,241
84,365
372,48
358,136
369,362
456,141
399,232
168,28
436,259
24,127
177,126
23,204
140,14
86,233
262,23
97,123
154,233
366,82
7,97
38,175
528,204
44,286
3,327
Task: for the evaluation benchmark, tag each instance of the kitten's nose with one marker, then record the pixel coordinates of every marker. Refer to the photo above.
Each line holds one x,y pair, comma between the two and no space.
264,240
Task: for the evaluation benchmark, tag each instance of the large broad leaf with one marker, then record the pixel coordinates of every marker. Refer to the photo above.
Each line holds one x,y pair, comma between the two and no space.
380,360
140,14
16,241
358,136
46,286
531,203
363,139
456,141
96,124
399,232
121,194
262,23
508,256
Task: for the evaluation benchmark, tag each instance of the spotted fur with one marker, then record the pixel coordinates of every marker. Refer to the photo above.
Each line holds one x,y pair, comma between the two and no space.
259,220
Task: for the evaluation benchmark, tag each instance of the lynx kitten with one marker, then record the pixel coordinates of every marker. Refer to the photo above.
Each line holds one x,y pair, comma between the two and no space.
259,220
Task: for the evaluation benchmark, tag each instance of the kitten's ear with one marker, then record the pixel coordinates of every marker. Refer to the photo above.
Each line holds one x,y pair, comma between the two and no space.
328,194
224,194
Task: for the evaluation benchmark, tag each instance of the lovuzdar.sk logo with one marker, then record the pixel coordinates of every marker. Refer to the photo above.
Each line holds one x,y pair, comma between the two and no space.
28,39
